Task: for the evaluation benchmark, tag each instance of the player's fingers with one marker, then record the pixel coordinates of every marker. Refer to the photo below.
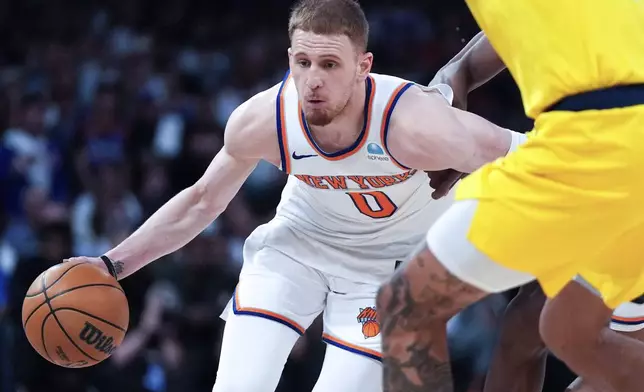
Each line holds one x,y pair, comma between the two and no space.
72,259
447,184
436,178
442,182
437,194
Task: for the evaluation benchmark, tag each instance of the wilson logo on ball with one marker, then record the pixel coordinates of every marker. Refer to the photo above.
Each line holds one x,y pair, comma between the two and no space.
95,337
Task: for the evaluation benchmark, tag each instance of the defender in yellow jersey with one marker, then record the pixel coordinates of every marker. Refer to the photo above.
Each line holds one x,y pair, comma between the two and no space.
565,205
573,184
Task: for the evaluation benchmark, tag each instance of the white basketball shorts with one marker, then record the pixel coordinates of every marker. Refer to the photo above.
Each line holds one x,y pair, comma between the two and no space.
629,317
275,286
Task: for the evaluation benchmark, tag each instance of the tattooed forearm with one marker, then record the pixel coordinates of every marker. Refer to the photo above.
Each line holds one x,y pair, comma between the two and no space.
414,308
118,267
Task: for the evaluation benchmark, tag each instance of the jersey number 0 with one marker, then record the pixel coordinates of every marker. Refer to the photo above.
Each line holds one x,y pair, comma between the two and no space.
375,204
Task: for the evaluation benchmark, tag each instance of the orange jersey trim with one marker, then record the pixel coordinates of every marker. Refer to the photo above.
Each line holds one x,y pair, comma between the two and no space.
257,312
373,354
628,320
280,117
389,110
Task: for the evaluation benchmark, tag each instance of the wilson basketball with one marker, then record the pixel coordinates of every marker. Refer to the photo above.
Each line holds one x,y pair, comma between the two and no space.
75,314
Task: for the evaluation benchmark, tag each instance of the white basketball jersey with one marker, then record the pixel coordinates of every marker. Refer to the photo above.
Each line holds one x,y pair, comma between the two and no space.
360,200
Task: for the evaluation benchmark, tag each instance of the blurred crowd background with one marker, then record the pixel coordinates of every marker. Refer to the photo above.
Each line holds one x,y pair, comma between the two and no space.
110,107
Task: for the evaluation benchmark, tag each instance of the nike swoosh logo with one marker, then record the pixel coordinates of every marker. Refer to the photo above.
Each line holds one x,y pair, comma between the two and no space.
295,156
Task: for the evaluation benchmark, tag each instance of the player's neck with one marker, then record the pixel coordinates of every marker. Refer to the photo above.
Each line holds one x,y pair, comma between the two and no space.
344,130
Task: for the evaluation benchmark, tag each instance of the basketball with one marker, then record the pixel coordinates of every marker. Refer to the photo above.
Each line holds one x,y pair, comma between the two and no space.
75,314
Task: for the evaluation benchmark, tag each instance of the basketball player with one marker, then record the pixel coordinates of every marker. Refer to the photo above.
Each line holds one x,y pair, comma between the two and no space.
357,201
520,357
519,360
565,204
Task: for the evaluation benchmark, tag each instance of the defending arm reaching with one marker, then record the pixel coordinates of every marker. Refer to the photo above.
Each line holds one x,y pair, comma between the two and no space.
250,136
472,67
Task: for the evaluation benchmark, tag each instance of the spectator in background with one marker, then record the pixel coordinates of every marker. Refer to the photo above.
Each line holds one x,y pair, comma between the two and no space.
152,353
201,140
8,261
155,186
37,188
102,136
205,280
107,213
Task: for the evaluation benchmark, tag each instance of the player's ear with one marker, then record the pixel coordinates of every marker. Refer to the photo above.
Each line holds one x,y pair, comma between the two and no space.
365,62
290,57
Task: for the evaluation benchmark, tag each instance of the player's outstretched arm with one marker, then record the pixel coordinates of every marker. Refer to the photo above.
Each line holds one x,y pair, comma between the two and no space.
427,133
182,218
472,67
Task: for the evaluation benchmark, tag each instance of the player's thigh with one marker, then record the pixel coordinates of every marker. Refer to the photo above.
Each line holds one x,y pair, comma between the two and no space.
253,353
352,333
276,287
449,241
276,300
350,319
628,319
344,371
579,312
574,317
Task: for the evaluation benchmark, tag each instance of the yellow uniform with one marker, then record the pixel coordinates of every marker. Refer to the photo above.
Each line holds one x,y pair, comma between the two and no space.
570,200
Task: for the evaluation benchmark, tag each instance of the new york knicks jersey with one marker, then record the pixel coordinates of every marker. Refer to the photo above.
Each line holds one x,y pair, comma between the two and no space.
360,201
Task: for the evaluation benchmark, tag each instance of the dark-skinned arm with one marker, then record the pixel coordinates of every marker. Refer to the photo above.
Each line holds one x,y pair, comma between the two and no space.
472,67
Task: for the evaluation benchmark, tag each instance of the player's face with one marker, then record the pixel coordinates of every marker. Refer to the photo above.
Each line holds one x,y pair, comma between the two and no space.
327,69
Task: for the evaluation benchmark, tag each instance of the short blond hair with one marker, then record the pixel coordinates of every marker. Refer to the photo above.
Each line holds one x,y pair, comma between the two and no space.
331,17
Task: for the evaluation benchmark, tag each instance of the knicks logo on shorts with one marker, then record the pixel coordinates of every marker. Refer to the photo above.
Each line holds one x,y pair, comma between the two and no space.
370,326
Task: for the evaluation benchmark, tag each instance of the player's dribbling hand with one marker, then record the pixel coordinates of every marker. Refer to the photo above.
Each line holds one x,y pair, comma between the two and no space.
92,260
443,180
